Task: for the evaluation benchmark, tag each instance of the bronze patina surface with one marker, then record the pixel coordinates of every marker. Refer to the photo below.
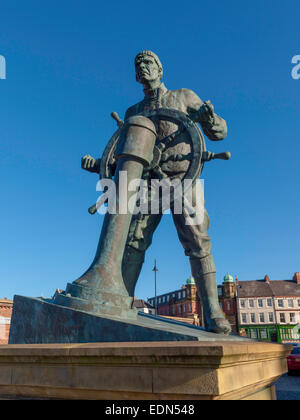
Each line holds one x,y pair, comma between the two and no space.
158,139
176,154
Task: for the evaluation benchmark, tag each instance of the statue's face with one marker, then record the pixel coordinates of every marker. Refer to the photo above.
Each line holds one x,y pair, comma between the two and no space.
146,69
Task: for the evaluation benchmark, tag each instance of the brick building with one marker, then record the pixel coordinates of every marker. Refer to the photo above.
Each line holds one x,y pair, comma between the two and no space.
181,303
228,303
5,317
185,303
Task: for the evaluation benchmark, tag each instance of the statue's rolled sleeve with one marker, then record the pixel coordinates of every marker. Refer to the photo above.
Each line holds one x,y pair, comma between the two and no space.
215,130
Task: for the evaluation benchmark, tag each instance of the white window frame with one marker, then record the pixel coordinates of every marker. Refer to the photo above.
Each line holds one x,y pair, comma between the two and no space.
244,318
242,303
251,305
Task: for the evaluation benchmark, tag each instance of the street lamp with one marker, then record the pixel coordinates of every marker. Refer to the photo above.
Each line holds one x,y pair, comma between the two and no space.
155,269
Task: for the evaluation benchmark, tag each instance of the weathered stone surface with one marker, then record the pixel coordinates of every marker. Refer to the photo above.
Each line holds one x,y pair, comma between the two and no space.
37,321
149,370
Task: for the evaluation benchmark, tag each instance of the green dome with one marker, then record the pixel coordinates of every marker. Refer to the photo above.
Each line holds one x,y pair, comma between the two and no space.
228,278
190,280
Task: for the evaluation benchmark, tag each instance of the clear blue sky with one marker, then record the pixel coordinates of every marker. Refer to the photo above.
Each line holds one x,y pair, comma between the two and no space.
70,63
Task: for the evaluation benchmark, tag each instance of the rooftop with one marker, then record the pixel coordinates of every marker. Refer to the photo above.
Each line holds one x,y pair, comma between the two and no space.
263,288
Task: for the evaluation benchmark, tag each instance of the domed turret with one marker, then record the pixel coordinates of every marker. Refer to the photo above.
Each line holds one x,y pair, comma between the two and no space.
190,280
228,278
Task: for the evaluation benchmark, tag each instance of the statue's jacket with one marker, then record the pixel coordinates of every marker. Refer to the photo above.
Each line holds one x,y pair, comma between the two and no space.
177,157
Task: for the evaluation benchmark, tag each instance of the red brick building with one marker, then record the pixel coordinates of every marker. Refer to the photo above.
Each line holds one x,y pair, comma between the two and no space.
185,303
181,303
5,317
228,303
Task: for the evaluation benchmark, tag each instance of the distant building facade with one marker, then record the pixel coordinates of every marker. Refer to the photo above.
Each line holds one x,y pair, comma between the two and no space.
260,309
185,303
143,306
227,299
181,303
269,309
5,317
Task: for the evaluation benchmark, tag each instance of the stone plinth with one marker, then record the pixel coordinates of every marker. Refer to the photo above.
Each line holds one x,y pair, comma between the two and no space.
150,370
38,321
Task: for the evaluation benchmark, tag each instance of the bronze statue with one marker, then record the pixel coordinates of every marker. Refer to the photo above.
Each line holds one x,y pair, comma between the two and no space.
175,161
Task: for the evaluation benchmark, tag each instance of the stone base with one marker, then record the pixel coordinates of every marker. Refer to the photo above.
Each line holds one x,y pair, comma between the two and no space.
37,321
142,371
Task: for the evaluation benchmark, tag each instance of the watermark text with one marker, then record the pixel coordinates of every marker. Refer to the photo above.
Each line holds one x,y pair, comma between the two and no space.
2,67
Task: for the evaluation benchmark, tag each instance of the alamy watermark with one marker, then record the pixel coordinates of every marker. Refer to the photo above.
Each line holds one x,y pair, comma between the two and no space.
296,68
140,196
2,67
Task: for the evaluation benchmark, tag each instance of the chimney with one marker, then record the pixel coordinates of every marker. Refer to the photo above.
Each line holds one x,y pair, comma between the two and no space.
183,286
296,278
236,281
267,279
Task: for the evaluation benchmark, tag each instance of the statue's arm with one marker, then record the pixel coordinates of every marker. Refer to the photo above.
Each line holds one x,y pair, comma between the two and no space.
214,127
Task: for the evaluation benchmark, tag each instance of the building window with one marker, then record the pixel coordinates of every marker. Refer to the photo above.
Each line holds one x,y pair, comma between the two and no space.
243,303
269,303
264,334
179,295
280,303
271,317
228,306
251,303
290,303
184,294
168,298
252,318
282,317
159,300
244,318
163,299
292,318
299,303
220,291
260,303
261,317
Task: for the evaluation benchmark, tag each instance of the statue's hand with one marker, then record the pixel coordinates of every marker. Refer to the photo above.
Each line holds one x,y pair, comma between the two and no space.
89,163
205,113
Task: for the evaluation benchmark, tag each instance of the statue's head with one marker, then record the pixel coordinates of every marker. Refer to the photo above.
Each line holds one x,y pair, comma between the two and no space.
148,67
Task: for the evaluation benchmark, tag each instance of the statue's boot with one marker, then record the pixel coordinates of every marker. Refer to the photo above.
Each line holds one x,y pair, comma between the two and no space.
204,273
132,263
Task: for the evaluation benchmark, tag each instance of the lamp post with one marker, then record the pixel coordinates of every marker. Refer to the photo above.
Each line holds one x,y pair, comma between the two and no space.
155,269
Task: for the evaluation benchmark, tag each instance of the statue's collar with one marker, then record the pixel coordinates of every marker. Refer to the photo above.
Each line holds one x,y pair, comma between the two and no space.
155,93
